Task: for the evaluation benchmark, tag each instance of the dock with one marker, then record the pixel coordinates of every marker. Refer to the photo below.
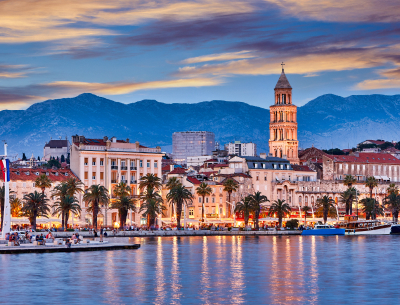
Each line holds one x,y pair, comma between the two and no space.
29,248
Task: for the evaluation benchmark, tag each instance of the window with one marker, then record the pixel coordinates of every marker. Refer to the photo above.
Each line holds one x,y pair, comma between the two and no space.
199,199
101,162
86,161
93,161
213,200
220,199
94,176
206,199
220,189
33,184
101,176
299,200
340,166
86,175
257,178
155,164
141,163
191,212
265,177
148,164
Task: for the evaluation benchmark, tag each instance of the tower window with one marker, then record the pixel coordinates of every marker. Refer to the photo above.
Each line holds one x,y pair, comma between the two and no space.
283,98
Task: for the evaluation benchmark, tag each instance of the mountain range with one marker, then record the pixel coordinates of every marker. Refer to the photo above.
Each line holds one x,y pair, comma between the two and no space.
325,122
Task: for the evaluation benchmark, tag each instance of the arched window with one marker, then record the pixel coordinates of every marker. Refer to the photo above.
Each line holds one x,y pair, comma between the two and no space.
306,200
299,200
312,200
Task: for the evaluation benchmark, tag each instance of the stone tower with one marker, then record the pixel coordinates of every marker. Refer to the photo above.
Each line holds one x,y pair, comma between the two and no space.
283,123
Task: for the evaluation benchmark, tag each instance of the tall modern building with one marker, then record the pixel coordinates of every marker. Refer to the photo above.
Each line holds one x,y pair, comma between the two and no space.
242,149
192,143
283,141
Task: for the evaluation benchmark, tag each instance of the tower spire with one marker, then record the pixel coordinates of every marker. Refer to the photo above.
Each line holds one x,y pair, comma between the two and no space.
282,64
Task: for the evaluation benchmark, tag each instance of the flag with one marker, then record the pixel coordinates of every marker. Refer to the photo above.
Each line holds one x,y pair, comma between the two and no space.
5,168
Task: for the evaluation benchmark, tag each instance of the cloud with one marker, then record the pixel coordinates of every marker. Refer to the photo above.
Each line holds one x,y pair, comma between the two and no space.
372,11
371,84
219,57
14,71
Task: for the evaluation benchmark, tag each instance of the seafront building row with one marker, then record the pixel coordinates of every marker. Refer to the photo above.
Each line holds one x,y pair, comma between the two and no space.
299,178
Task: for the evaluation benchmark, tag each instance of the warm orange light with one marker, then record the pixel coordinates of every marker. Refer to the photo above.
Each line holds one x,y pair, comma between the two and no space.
116,225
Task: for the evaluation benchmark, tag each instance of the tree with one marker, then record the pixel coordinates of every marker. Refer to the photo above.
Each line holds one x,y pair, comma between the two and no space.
230,185
123,205
68,159
95,196
122,190
280,208
43,182
181,197
150,181
256,200
392,201
334,151
386,145
74,186
62,158
38,158
292,224
152,205
393,188
35,205
52,163
349,180
325,203
371,182
348,197
65,206
371,208
245,206
305,210
172,182
24,157
203,190
16,206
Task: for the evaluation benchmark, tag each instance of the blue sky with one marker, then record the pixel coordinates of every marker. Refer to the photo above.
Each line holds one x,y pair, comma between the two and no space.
193,51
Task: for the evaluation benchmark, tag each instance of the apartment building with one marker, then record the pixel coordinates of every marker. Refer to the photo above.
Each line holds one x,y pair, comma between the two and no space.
192,143
110,161
242,149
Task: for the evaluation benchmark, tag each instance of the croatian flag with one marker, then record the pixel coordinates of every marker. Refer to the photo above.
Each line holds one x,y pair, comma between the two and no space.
5,168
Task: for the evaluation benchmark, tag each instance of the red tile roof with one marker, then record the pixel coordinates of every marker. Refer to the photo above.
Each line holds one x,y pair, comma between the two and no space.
193,180
30,174
166,168
301,168
375,142
391,150
178,171
217,165
366,158
232,175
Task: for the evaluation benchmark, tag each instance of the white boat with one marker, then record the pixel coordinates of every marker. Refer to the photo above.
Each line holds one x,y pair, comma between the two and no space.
353,226
324,230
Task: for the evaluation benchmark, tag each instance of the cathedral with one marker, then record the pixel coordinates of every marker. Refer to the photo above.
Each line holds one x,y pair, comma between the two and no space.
283,141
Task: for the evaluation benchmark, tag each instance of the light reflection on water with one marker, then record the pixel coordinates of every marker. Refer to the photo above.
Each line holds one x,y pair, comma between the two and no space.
211,270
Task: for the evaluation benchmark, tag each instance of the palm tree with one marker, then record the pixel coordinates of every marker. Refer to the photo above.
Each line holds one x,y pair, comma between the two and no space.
280,208
349,180
348,197
325,204
230,185
43,182
95,196
152,205
392,201
150,181
64,206
172,182
123,205
256,200
371,182
35,205
181,197
371,208
122,190
392,189
74,186
16,206
203,190
305,210
245,206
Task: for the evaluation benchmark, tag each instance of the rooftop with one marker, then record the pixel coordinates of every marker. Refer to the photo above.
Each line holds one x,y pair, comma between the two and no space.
283,82
365,158
30,174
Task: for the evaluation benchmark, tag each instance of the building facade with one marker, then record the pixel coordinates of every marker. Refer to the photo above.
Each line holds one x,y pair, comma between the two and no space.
110,161
192,143
242,149
283,141
56,149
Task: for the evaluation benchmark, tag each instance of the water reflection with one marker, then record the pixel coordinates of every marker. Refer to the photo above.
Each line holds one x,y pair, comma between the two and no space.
211,270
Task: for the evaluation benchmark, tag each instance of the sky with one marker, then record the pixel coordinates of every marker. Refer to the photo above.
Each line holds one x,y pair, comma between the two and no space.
194,51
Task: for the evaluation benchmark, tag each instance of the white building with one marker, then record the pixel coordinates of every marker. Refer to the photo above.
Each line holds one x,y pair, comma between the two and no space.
242,149
192,143
197,160
110,161
56,148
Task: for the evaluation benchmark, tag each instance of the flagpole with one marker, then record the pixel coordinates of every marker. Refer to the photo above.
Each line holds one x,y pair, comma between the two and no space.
7,209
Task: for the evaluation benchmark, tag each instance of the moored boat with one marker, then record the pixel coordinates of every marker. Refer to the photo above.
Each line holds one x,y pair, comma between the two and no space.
324,230
395,229
353,226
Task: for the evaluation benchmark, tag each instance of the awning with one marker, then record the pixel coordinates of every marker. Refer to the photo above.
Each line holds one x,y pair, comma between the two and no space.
268,219
386,178
378,177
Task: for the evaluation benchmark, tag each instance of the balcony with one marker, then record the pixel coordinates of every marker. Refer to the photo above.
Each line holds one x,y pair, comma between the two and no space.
124,181
133,168
114,167
133,182
113,181
124,168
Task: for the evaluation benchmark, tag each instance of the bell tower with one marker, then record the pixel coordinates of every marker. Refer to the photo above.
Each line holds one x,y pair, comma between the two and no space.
283,141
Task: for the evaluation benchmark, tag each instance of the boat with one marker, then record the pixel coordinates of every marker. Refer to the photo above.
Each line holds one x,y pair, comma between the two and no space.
324,230
395,229
354,226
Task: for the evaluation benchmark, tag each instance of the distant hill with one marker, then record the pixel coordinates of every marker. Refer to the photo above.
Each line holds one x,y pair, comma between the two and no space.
326,119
